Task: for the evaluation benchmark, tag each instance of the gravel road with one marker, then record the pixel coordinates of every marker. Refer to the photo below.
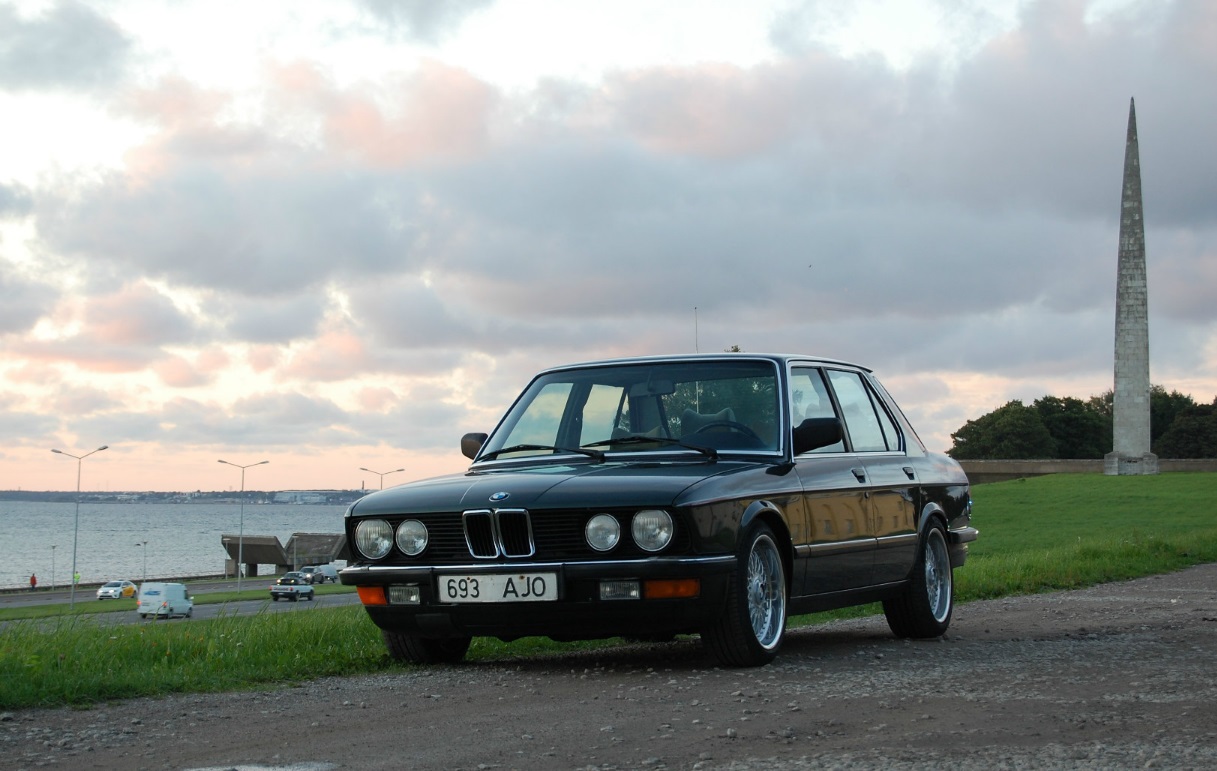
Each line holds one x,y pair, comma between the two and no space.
1122,675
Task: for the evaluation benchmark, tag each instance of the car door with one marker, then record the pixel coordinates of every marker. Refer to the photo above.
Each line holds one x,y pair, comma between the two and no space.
891,482
838,552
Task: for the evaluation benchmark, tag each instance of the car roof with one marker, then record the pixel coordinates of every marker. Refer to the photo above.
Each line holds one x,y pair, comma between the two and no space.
777,358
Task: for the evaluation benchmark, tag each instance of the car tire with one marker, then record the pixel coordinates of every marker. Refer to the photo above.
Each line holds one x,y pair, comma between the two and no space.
924,609
414,649
274,598
753,624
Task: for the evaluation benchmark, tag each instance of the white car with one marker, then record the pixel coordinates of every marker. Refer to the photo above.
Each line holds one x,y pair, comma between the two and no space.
291,587
116,590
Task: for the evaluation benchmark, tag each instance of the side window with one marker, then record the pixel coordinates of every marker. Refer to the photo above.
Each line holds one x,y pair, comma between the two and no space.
809,399
602,413
869,426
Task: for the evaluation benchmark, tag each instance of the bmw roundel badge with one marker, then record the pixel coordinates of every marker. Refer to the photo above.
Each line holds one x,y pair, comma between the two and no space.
496,497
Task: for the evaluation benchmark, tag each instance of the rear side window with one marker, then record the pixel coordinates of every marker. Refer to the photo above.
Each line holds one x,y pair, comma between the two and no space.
869,426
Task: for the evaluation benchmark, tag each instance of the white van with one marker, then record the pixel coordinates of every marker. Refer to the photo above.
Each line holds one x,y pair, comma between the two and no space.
166,600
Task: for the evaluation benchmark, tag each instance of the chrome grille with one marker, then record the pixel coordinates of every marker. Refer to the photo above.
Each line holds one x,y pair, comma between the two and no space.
498,532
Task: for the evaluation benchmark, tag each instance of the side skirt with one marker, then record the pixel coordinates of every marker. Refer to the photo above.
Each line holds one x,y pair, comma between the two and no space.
814,603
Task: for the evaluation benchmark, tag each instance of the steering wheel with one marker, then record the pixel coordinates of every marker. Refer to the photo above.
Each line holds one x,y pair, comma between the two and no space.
731,424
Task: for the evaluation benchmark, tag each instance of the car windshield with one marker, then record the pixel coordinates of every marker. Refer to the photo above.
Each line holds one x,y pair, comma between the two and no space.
113,584
717,405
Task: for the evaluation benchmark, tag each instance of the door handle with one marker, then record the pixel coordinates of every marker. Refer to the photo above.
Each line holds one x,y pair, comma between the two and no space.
909,472
859,474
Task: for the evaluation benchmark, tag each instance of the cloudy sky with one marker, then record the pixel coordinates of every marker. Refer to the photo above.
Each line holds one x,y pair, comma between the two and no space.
341,233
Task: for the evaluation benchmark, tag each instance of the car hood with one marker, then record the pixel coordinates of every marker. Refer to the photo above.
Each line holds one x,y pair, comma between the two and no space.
553,486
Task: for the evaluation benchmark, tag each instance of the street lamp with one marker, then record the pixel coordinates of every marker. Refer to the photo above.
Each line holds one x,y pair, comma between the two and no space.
241,532
381,474
76,527
52,567
145,545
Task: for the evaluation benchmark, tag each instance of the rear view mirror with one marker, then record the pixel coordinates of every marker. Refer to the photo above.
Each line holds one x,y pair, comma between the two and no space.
653,387
471,444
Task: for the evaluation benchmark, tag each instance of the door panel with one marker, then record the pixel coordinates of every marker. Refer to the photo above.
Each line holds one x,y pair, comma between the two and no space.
893,515
839,552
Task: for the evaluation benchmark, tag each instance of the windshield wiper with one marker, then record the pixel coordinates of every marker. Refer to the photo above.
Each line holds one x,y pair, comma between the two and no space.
709,452
597,454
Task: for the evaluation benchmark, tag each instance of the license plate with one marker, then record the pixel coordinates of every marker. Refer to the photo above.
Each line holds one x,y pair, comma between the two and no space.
525,587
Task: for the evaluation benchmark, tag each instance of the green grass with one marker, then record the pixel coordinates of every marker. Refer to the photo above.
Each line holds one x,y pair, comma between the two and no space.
77,661
1037,535
1071,530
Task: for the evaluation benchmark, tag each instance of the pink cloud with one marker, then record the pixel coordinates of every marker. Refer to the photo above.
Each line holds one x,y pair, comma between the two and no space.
135,315
177,372
265,357
439,112
377,399
331,357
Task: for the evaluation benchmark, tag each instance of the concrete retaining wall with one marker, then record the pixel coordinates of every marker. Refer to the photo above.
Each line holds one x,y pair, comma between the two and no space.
982,471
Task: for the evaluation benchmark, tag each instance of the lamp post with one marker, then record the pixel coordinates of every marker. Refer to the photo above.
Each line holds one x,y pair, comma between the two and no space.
76,526
145,545
241,532
52,567
381,474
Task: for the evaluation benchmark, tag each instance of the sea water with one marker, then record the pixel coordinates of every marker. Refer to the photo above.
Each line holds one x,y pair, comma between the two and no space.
183,538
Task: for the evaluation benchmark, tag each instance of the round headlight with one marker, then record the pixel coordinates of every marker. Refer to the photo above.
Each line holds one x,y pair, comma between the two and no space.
652,529
412,537
602,532
373,538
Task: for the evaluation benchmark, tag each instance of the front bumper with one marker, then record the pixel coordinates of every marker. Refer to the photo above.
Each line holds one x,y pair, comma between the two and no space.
577,613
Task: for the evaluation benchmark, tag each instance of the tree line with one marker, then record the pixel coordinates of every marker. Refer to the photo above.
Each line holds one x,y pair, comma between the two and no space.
1067,427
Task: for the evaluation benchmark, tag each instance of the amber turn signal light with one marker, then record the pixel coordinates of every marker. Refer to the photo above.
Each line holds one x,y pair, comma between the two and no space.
372,595
672,588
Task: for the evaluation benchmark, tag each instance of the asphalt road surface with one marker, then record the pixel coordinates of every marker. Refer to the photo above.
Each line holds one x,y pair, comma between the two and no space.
1116,676
62,596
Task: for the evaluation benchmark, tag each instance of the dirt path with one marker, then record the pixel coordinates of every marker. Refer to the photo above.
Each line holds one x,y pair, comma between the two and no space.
1117,676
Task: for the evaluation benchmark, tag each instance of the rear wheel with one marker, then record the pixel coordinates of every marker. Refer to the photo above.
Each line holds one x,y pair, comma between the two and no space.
404,646
924,609
751,629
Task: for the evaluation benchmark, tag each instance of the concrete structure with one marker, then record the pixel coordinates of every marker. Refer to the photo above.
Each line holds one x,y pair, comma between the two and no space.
1130,409
984,471
302,549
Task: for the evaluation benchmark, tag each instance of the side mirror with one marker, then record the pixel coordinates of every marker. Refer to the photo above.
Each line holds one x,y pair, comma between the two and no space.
471,444
814,433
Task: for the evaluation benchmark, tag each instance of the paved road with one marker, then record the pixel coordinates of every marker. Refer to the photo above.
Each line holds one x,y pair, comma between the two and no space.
62,596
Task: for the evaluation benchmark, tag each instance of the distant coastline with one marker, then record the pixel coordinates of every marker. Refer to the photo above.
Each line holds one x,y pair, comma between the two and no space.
301,497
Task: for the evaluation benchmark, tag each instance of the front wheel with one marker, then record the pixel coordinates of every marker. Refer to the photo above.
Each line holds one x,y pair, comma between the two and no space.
924,609
753,624
425,650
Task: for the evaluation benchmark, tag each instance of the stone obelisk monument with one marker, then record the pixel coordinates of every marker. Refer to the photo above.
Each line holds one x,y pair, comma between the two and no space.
1130,409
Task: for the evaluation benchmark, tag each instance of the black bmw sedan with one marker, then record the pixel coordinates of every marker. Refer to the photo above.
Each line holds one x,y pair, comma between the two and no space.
650,497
